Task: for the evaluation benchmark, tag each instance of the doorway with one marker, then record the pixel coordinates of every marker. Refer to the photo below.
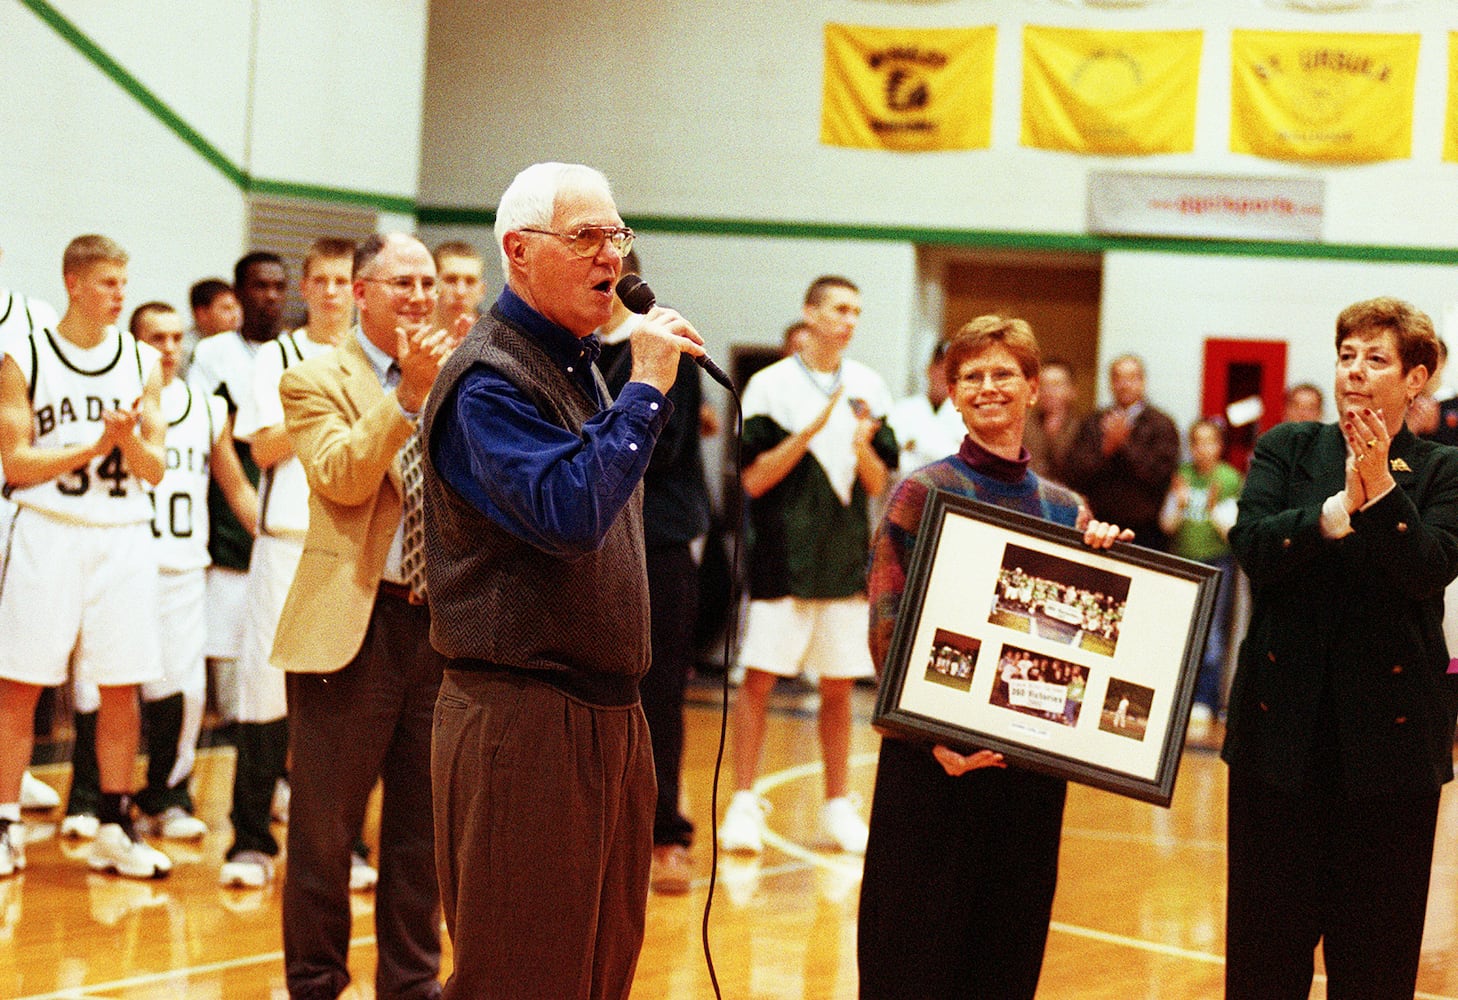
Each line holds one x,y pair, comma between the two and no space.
1057,293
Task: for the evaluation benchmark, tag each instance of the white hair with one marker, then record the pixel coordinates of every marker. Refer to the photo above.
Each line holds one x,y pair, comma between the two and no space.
531,198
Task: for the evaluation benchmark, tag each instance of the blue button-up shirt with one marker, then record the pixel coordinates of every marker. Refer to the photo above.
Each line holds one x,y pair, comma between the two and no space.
552,488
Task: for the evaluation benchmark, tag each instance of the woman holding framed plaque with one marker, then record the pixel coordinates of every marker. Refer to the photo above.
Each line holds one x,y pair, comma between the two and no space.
1341,714
962,860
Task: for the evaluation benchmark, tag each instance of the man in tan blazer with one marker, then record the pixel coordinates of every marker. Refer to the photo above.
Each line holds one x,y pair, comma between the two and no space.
363,677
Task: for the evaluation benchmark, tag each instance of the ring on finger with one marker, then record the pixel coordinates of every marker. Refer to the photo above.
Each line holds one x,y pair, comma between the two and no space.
1371,442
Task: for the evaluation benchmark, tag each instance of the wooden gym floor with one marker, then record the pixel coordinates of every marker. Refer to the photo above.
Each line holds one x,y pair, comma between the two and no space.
1139,912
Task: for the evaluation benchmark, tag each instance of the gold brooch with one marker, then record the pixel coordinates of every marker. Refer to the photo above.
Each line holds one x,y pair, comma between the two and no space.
1398,465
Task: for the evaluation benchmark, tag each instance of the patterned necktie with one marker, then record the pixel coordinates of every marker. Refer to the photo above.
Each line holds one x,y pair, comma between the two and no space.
412,517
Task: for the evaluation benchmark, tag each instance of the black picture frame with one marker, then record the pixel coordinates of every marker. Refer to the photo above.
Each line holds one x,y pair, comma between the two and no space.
1014,636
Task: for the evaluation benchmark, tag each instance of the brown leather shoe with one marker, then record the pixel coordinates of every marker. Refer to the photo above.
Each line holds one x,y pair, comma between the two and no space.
672,873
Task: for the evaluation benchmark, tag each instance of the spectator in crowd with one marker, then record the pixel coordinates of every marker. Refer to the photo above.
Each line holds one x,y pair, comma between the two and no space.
1197,516
927,424
793,338
1426,417
1303,402
1053,420
1124,456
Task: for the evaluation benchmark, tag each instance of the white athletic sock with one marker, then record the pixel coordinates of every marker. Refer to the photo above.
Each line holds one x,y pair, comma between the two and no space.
10,811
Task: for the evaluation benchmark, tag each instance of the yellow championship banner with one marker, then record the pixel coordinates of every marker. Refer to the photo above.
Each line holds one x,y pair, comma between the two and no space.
1328,97
1450,120
908,89
1110,92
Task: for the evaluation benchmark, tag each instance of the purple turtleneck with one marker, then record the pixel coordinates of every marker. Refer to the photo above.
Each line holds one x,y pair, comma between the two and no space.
981,460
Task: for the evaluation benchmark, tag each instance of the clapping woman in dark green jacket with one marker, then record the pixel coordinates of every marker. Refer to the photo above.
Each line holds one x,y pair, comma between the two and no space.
1342,710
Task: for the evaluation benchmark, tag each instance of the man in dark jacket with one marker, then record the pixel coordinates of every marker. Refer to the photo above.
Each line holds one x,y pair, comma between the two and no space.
1125,455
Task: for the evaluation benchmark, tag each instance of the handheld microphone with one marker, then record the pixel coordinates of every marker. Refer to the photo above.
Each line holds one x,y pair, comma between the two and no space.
639,298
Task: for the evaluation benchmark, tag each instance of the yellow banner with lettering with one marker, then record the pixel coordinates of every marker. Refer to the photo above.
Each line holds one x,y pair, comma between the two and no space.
1110,92
908,89
1450,121
1330,97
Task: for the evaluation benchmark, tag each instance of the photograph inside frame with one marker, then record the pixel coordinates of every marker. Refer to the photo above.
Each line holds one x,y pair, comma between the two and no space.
1016,637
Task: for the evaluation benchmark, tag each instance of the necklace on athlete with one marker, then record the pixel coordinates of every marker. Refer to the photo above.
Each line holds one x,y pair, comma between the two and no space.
826,382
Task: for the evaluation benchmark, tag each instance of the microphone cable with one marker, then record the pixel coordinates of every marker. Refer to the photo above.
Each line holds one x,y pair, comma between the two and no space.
731,632
636,295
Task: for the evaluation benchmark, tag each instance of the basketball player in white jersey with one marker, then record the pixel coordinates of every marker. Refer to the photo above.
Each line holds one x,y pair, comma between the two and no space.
223,364
262,730
199,447
20,316
79,434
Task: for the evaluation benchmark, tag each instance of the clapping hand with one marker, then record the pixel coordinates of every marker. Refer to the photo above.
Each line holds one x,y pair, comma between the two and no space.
1368,474
1116,427
419,353
117,425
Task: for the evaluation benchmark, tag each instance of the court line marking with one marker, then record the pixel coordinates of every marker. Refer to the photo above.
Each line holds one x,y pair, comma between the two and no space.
794,849
1163,841
93,990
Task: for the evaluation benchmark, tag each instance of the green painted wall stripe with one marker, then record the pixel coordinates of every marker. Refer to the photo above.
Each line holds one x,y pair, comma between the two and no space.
317,192
985,238
109,66
445,215
174,122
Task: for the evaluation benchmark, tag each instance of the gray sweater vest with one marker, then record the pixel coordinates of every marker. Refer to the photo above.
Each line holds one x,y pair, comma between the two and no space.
497,599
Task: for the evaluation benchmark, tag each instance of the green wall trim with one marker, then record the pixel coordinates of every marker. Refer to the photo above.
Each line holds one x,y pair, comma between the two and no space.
446,215
986,238
174,122
319,192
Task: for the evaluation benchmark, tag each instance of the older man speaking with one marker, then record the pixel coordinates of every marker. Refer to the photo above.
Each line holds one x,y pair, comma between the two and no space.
542,769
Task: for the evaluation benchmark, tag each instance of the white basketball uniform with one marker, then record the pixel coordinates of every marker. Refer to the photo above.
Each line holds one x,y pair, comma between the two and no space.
223,364
80,571
195,422
283,521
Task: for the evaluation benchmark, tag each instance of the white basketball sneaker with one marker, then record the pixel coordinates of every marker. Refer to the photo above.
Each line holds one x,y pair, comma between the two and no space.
742,831
119,850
